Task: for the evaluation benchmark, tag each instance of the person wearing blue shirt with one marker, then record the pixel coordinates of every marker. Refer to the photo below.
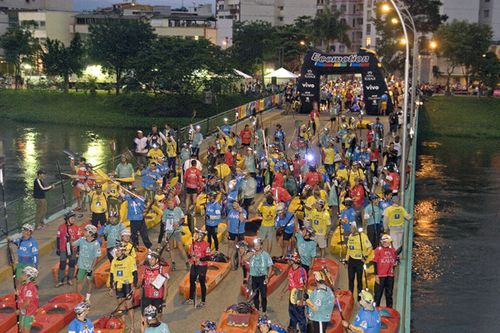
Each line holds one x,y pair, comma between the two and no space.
279,137
27,250
373,216
236,218
81,324
135,214
285,224
213,216
348,217
368,318
149,180
306,247
320,304
261,266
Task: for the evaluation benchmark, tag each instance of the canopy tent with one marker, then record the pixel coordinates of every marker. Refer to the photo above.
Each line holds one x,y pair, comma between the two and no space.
281,74
243,75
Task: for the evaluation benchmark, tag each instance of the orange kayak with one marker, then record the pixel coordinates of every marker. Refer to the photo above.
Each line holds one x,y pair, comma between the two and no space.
8,317
390,319
329,264
238,323
280,272
55,271
347,304
109,325
216,272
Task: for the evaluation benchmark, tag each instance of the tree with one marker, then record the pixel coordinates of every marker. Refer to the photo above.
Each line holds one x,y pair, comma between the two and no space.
116,44
487,70
19,46
327,27
462,44
63,61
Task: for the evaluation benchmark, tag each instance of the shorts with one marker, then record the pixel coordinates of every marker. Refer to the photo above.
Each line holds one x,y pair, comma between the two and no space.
286,236
266,233
232,236
98,218
174,235
124,291
321,240
82,273
26,321
191,190
156,302
19,269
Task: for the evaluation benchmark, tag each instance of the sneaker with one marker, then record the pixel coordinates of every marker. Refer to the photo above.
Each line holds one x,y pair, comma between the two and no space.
59,284
200,305
189,302
173,266
70,282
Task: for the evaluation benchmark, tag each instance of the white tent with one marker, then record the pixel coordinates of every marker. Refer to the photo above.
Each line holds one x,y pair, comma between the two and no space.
240,73
281,74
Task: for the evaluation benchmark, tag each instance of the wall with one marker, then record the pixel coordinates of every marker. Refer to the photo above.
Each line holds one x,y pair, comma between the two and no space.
62,5
254,10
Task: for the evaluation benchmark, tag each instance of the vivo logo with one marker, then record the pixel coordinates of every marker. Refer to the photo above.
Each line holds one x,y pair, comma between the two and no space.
372,87
308,85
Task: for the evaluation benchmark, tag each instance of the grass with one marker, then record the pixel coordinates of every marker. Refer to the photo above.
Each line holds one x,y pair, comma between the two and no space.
102,110
461,116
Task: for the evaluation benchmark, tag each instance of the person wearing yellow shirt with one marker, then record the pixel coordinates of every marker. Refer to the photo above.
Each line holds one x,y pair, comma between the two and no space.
155,153
267,209
112,193
329,161
341,173
123,279
320,222
358,249
356,172
171,146
394,221
98,205
127,245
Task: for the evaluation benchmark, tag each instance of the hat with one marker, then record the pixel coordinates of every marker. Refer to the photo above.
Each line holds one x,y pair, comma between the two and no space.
28,227
366,296
81,307
91,229
139,131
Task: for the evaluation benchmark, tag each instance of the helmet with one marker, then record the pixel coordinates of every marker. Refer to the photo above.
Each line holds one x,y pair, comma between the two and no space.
267,188
366,296
150,312
294,257
153,254
319,276
263,320
258,240
280,207
199,231
81,307
126,232
91,229
207,326
386,238
68,215
113,213
320,202
30,272
28,227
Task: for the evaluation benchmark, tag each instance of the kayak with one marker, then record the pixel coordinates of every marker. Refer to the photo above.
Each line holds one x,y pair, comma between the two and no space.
101,274
390,319
328,265
201,201
347,304
69,299
8,317
216,272
109,325
55,271
337,248
233,322
280,273
187,239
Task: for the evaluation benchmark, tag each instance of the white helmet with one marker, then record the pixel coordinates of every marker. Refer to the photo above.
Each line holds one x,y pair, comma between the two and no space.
91,229
126,232
150,312
81,307
28,227
30,272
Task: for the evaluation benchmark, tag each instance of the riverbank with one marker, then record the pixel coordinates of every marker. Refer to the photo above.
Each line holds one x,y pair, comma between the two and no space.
103,110
461,116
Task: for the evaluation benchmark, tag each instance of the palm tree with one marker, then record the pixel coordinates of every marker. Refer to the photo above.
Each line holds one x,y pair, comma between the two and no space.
327,27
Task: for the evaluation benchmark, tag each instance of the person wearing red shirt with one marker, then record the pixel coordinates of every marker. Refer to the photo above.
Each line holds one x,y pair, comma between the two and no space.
313,177
192,182
246,136
67,233
279,194
229,157
374,159
358,195
297,165
151,295
370,136
297,282
385,259
199,252
393,178
279,179
27,299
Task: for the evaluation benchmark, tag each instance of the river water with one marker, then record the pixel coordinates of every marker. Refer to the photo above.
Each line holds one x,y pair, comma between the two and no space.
456,284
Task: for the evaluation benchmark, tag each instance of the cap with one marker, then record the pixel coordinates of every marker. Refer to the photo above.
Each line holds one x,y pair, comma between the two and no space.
280,207
81,307
91,228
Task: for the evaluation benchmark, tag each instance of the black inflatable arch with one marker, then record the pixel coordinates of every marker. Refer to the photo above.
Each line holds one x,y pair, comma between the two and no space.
364,62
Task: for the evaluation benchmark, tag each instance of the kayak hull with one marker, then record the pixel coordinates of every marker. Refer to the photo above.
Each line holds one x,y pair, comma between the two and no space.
8,317
225,326
329,264
347,304
216,272
109,325
390,319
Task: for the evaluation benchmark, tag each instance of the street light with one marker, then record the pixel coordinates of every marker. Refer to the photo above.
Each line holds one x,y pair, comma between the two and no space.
394,20
433,44
302,43
386,8
402,41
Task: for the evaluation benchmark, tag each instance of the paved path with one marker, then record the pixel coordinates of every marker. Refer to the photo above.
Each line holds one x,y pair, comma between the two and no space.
180,318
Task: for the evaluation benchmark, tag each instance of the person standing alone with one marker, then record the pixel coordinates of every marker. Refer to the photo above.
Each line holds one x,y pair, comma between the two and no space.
39,190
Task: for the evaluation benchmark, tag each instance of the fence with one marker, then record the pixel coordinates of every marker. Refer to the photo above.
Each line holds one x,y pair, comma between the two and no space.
209,125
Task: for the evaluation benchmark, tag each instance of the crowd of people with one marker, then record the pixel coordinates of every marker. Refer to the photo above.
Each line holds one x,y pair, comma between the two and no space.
341,175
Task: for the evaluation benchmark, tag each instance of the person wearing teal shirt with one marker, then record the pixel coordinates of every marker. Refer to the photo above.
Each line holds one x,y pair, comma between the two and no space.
306,246
153,325
260,269
250,163
372,216
320,304
89,251
112,233
368,319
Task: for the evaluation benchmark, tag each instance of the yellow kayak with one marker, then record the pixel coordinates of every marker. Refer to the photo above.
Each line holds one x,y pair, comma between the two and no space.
187,239
152,219
201,201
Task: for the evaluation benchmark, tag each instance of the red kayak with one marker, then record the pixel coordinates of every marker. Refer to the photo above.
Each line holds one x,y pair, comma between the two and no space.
109,325
8,317
390,319
328,265
347,305
280,273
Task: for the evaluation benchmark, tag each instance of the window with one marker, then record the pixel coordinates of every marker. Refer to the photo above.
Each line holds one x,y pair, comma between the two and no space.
41,24
281,7
280,18
486,13
341,48
343,8
353,23
368,28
